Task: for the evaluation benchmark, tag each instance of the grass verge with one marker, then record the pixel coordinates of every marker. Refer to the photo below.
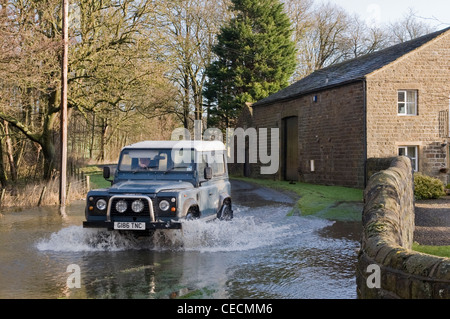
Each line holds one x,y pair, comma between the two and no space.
96,176
329,202
29,193
441,251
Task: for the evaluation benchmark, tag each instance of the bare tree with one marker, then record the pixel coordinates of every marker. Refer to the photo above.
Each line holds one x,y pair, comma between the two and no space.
326,34
360,39
322,31
112,69
410,27
29,71
189,28
300,13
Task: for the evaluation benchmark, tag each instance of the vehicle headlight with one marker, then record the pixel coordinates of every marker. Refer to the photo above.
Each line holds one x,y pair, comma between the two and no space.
121,206
164,205
101,204
137,206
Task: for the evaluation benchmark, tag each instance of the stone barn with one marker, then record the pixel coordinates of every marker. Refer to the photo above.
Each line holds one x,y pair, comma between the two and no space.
388,103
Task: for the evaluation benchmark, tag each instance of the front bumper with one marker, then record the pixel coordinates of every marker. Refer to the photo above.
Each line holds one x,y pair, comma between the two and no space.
148,225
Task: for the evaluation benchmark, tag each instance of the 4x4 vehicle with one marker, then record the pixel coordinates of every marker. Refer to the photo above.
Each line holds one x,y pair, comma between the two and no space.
158,184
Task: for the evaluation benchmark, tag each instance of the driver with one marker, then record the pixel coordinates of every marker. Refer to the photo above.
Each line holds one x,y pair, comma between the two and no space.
144,162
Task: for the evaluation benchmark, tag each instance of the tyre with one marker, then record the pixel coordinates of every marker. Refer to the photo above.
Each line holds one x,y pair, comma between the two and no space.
225,212
192,213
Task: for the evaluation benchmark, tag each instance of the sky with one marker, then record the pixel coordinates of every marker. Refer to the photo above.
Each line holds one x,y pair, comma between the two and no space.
385,11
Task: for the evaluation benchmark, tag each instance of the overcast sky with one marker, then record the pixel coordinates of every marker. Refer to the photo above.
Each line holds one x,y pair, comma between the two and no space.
385,11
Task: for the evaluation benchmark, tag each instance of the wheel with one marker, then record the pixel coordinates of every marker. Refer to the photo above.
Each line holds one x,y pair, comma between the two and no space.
225,212
192,213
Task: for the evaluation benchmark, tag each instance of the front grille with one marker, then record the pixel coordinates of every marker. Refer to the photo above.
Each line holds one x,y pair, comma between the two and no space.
129,211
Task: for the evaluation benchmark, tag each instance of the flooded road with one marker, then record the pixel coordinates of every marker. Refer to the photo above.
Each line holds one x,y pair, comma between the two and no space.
261,253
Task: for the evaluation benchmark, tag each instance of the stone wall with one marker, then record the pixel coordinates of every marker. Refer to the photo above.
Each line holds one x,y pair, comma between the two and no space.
330,133
375,165
387,267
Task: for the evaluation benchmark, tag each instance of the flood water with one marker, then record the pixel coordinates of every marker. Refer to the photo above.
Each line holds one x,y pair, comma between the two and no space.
261,253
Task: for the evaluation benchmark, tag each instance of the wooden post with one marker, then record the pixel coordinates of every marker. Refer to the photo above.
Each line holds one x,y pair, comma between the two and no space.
64,73
42,196
88,183
2,196
68,189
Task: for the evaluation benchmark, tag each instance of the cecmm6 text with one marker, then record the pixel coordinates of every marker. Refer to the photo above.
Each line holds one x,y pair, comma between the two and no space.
226,308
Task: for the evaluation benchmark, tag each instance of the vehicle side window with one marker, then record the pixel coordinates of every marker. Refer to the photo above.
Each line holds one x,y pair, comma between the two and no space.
125,164
183,159
202,163
163,158
218,166
213,159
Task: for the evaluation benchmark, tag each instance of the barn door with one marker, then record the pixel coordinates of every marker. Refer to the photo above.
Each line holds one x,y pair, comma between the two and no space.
290,151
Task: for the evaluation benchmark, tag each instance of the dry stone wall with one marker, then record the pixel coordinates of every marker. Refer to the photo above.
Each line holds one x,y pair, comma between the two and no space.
387,267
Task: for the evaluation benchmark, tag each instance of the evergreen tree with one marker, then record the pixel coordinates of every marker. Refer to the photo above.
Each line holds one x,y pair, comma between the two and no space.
255,58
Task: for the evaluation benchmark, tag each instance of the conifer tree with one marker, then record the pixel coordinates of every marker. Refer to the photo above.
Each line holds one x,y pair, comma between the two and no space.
255,58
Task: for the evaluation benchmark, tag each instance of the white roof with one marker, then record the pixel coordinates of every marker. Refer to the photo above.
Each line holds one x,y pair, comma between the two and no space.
198,145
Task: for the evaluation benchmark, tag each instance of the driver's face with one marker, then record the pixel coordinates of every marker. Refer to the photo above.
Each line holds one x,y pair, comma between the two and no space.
143,162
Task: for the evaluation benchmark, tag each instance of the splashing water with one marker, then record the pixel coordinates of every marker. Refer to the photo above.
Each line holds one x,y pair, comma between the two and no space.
77,239
237,235
244,232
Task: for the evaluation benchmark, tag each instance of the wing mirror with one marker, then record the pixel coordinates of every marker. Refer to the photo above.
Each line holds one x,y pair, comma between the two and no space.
106,172
208,173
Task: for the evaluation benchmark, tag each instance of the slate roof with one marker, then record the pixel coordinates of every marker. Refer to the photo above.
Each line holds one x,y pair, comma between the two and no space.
348,71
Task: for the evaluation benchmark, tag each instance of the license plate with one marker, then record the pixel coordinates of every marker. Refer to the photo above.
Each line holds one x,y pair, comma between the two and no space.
129,226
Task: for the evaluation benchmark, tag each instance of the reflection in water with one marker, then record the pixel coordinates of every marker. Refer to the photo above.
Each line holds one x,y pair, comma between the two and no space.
260,254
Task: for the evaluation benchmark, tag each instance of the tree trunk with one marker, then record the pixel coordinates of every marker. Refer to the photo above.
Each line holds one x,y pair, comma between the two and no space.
186,101
3,176
46,139
48,146
101,155
91,145
48,150
9,152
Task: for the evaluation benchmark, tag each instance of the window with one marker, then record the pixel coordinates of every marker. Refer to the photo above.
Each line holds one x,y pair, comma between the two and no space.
155,160
407,102
411,152
213,159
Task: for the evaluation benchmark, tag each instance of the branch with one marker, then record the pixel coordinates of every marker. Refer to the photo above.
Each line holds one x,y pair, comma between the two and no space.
21,127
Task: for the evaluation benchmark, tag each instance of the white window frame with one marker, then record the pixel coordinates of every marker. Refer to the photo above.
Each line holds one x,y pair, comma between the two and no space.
406,103
414,157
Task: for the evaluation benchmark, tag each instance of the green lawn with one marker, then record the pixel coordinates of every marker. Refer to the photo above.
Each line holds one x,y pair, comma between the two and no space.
330,202
442,251
96,175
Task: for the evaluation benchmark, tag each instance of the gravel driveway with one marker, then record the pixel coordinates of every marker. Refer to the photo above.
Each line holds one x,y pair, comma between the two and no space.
433,222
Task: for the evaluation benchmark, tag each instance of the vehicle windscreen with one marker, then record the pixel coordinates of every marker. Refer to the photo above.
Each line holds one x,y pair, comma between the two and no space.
157,160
